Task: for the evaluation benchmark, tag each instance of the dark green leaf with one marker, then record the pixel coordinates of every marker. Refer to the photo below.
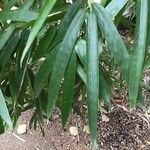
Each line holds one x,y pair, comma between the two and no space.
68,89
62,58
44,71
92,76
115,44
4,35
7,52
65,22
139,51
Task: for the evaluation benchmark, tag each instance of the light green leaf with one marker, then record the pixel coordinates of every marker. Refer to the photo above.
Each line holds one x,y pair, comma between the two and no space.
44,71
38,24
114,7
81,51
4,111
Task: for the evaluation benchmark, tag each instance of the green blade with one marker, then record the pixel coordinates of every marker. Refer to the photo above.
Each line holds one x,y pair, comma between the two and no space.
104,87
62,59
139,51
68,92
92,76
81,51
38,24
44,71
114,7
44,43
116,44
10,47
4,111
18,15
63,27
4,35
81,72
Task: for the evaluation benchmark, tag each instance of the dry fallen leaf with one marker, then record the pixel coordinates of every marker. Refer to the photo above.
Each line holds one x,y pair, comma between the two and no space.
73,130
86,129
22,129
105,118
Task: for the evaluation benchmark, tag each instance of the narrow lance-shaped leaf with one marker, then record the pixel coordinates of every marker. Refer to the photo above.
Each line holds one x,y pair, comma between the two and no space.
92,76
81,51
18,15
44,43
104,87
44,71
38,24
81,72
65,22
4,111
139,50
68,92
62,58
11,44
114,7
115,44
4,35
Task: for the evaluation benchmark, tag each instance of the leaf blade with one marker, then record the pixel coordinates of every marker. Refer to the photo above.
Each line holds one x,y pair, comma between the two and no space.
37,25
62,59
138,54
92,76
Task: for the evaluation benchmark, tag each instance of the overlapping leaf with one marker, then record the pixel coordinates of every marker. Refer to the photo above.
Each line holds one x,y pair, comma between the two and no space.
139,51
114,7
4,111
116,44
68,89
92,76
62,58
38,24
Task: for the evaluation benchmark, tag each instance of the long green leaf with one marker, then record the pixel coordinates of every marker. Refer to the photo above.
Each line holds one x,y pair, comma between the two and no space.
65,22
4,35
92,76
11,44
38,24
4,111
115,44
69,81
139,51
18,15
81,72
44,43
114,7
104,87
62,58
81,51
44,71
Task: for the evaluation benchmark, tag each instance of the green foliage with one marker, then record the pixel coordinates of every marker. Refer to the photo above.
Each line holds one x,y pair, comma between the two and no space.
51,51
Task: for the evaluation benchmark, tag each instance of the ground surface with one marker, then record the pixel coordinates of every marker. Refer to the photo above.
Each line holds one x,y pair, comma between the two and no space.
122,130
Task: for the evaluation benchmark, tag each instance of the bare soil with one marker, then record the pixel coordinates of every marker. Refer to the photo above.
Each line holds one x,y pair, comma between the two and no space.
124,131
